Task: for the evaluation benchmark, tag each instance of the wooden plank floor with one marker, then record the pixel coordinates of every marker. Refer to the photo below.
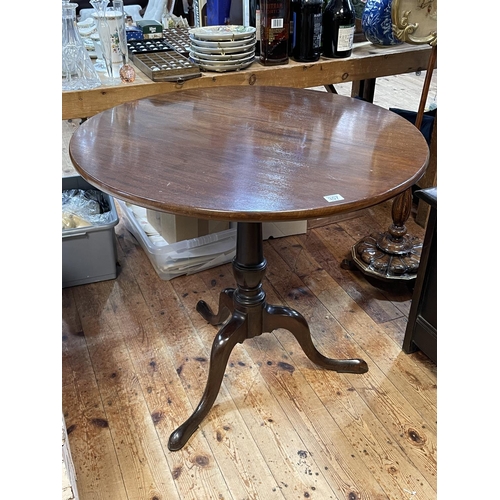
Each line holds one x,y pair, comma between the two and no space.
134,363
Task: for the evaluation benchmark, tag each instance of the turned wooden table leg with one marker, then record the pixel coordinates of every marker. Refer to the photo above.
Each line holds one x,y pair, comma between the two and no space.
395,255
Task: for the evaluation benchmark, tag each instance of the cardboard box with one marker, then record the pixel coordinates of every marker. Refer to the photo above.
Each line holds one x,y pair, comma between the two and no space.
281,229
133,33
150,29
174,228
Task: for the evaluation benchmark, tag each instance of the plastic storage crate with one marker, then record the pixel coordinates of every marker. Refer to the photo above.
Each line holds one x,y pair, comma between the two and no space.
182,257
88,253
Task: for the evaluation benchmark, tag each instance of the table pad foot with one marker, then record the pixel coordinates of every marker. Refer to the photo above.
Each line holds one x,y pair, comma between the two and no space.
225,308
283,317
232,333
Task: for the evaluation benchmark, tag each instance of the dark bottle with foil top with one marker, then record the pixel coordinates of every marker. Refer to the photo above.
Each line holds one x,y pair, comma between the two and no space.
274,30
339,20
254,21
305,29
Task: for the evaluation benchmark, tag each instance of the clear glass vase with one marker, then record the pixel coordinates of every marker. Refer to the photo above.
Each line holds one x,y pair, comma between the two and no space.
78,72
107,26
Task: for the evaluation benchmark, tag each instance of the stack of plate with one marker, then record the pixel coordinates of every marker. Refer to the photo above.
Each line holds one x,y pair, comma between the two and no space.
88,31
222,48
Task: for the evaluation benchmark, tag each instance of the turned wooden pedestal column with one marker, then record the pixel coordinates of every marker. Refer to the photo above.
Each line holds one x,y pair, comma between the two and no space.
395,255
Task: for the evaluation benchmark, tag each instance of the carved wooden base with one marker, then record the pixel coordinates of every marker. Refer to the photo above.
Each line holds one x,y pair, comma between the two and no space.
371,257
249,316
393,255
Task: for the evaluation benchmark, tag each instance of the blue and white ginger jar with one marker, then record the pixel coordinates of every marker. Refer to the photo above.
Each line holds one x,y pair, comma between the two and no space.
376,23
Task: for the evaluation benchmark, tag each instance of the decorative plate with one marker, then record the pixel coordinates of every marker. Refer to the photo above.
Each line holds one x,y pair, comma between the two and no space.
245,59
86,24
223,57
86,31
224,65
229,50
222,32
415,21
221,43
223,68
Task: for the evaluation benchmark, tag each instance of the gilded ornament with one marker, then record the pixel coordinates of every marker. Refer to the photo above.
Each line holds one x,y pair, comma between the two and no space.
417,26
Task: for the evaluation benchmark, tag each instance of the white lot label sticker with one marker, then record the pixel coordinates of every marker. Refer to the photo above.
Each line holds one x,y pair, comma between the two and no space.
333,197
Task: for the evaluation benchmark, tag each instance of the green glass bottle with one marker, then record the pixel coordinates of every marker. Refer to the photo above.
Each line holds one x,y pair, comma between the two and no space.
305,29
339,20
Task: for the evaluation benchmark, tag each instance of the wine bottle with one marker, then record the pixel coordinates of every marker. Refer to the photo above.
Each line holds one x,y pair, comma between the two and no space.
305,29
254,16
274,29
339,19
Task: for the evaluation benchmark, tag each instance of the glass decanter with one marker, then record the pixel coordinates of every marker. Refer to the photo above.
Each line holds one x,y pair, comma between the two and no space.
78,72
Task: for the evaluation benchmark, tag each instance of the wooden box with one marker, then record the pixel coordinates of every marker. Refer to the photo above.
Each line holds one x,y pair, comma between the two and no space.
168,66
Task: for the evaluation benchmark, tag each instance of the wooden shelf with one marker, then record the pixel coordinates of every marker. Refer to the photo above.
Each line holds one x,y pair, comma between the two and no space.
367,62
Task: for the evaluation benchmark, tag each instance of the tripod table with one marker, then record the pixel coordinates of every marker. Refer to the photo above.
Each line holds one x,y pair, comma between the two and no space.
250,155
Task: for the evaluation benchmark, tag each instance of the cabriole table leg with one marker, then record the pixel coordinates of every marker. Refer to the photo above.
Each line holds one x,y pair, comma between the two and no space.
249,316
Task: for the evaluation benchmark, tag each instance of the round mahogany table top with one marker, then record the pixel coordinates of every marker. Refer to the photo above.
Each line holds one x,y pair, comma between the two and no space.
250,154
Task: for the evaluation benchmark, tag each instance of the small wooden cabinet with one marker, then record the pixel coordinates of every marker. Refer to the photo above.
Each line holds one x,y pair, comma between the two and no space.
421,330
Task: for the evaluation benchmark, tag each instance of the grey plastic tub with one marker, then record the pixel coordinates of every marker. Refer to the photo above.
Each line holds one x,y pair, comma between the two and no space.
88,253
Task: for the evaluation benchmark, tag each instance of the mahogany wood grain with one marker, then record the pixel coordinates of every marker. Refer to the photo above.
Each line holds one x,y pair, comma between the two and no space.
250,153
